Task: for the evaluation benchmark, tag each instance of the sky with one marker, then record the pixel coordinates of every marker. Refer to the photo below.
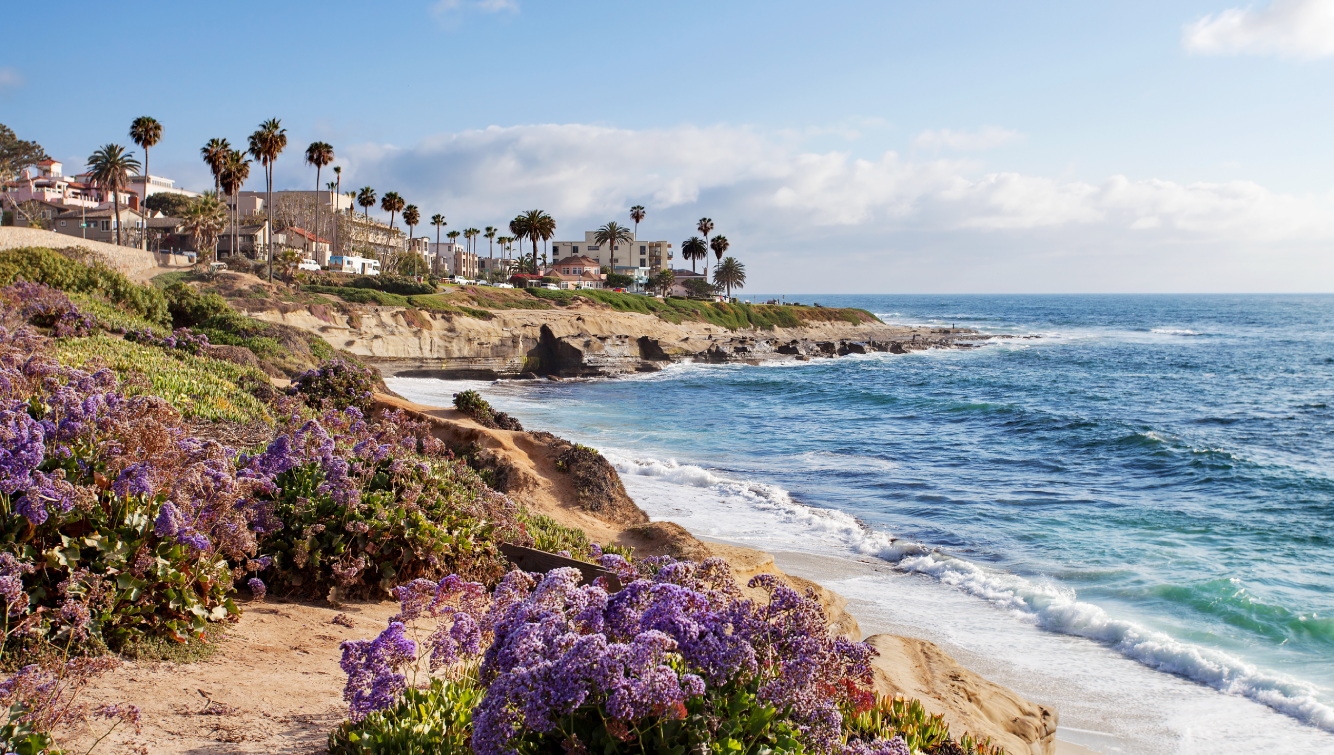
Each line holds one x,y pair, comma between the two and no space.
841,146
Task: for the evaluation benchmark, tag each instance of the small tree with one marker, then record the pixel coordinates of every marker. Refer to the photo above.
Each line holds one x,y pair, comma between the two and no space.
663,281
729,273
698,287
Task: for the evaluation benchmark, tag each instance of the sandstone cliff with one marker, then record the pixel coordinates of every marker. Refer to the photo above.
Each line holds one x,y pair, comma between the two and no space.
586,340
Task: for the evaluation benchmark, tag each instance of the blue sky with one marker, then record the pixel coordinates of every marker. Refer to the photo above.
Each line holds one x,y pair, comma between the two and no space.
841,146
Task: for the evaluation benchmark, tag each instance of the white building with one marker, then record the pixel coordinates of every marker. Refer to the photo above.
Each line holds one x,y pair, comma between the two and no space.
147,186
625,257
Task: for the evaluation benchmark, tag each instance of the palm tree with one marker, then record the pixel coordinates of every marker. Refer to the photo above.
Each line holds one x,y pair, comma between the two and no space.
519,227
235,172
268,141
204,219
719,246
214,153
438,221
538,225
146,132
612,234
318,154
391,203
110,168
693,249
490,235
338,188
705,227
366,198
470,236
453,237
411,217
637,215
729,273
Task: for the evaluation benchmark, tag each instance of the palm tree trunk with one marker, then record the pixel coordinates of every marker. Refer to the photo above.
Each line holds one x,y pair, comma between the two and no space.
268,213
115,201
315,244
141,204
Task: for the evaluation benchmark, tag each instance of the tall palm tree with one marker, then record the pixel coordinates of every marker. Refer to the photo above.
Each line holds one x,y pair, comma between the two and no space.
411,217
729,273
612,234
268,141
235,172
438,221
719,246
214,152
490,235
318,154
519,227
538,225
366,198
391,203
146,132
110,169
338,191
204,219
637,215
693,249
705,227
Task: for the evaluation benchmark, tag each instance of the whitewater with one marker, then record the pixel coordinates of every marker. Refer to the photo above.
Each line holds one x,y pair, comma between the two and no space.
1127,518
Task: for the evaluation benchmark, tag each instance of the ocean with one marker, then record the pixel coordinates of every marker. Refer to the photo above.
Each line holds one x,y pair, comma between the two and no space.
1128,517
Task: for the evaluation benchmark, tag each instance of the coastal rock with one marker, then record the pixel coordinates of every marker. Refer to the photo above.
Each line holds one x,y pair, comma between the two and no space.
919,669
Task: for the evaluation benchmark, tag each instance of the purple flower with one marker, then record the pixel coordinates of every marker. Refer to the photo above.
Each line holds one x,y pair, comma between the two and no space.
257,588
169,521
373,680
22,447
136,479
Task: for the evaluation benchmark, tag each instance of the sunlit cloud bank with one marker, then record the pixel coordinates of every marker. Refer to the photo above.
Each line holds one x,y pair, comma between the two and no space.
805,214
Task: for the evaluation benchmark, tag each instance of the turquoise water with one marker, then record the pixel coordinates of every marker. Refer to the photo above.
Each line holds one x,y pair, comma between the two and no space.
1152,477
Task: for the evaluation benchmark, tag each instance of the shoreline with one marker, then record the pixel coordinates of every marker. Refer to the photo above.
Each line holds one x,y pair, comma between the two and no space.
908,665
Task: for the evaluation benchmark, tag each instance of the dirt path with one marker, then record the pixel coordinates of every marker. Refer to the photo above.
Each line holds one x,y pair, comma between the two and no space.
274,687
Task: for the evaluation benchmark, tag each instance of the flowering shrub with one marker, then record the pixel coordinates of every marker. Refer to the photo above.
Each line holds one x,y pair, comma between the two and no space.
337,381
79,271
45,307
675,661
182,338
105,495
361,506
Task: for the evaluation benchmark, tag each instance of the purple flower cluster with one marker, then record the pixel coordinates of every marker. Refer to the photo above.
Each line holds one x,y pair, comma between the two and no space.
46,307
338,382
678,634
182,339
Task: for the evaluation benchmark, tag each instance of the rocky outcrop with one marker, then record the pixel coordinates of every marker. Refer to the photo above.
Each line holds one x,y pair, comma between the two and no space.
585,341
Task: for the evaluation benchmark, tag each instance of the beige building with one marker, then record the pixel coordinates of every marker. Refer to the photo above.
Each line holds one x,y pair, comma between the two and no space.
312,246
101,224
653,255
146,186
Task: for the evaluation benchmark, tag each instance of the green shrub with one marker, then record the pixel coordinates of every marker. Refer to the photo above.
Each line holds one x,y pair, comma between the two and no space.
553,537
888,717
393,284
76,271
189,307
361,295
115,318
433,720
472,404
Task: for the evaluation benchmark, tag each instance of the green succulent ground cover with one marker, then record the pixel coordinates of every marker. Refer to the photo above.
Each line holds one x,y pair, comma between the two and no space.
196,385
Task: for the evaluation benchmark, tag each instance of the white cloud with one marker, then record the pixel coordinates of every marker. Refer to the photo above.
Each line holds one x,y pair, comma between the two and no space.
10,78
1290,28
779,204
448,8
984,138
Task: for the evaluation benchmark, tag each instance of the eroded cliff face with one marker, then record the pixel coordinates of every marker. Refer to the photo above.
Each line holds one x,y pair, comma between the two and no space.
585,341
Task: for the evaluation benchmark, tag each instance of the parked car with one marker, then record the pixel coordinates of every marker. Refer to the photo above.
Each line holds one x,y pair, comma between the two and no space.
503,285
308,265
551,286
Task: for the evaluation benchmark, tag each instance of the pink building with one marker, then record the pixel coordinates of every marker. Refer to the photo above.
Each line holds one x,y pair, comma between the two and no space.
47,183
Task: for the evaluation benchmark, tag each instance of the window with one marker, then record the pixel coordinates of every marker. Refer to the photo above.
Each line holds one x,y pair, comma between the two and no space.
642,248
62,224
574,249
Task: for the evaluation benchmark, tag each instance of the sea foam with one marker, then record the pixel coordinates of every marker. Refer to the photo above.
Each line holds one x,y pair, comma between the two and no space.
1044,603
